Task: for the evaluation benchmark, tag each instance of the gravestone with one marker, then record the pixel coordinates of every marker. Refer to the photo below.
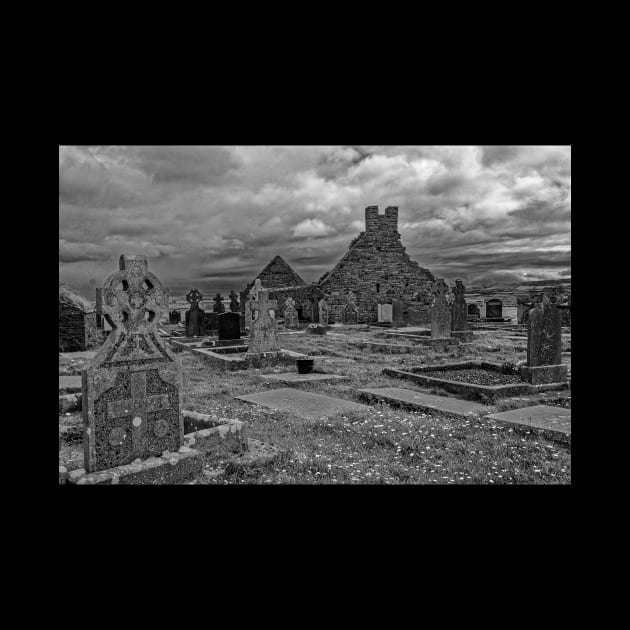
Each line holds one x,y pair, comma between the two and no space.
440,310
473,310
131,402
494,308
194,316
544,345
290,314
263,332
210,323
324,312
174,317
459,311
523,306
385,313
350,311
397,312
229,325
235,307
218,307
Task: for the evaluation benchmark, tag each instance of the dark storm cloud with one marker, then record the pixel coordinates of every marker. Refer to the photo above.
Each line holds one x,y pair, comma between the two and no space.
218,215
192,165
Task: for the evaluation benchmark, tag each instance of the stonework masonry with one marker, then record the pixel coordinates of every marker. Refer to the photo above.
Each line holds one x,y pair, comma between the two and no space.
377,269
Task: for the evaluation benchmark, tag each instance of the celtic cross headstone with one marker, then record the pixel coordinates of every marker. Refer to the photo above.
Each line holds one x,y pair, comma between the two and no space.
218,304
440,310
131,401
194,316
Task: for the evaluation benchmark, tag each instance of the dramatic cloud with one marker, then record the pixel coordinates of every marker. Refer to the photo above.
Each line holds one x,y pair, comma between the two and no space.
212,217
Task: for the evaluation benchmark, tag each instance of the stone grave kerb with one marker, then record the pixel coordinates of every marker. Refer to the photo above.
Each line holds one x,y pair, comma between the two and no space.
131,389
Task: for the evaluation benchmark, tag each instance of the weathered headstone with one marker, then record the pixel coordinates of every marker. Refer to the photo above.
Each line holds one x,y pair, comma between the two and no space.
523,305
494,308
210,323
229,325
459,311
397,312
131,402
473,310
544,345
290,314
440,310
350,311
324,311
235,307
194,316
174,317
218,307
263,332
385,313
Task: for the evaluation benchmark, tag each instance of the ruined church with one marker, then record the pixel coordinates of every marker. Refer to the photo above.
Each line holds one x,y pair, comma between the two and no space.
376,268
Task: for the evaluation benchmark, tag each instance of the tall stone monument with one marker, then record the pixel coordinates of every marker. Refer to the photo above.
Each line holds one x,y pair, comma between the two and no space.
131,390
290,314
234,305
350,310
263,332
194,316
440,310
544,345
324,311
459,309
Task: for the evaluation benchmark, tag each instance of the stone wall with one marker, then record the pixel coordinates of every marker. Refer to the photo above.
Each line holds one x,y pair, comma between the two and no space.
376,269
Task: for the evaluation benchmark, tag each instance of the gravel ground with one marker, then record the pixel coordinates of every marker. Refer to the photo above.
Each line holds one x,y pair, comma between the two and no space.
477,376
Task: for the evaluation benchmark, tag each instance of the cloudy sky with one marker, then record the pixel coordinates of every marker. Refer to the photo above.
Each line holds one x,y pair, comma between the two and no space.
212,217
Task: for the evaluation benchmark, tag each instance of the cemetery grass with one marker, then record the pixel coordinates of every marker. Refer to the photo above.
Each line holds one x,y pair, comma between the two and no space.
382,445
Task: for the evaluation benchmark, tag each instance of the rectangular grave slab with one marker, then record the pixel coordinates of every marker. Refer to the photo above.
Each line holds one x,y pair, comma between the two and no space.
295,377
303,404
553,421
70,384
442,405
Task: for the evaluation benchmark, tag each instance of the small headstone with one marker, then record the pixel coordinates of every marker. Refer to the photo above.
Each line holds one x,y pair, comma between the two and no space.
473,310
290,314
263,333
194,316
350,311
324,311
235,307
218,307
210,323
229,326
397,312
544,345
459,311
174,317
440,310
385,313
131,402
494,308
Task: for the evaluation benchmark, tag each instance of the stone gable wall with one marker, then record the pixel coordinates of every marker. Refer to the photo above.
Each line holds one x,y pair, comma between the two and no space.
376,269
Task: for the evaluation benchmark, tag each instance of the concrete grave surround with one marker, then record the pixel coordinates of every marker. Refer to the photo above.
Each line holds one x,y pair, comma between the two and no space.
307,405
131,390
263,334
290,314
194,316
440,311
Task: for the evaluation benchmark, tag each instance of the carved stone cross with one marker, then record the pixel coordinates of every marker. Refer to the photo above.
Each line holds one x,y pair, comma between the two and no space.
263,304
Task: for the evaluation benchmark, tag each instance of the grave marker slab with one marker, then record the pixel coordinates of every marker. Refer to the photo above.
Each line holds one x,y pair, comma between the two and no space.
440,311
385,313
295,377
131,402
229,325
459,310
290,314
306,405
263,333
556,421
